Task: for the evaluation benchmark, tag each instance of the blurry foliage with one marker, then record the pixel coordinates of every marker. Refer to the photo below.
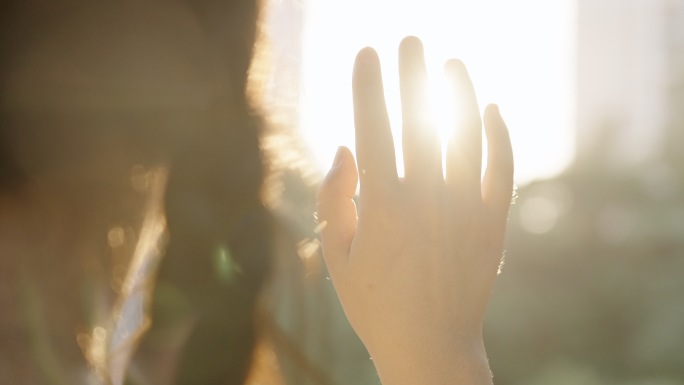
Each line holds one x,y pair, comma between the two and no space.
593,288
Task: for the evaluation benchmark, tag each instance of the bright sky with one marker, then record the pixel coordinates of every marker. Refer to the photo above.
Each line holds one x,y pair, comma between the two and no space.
519,55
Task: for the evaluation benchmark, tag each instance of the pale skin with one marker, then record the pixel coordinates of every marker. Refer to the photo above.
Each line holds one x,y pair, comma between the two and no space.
414,264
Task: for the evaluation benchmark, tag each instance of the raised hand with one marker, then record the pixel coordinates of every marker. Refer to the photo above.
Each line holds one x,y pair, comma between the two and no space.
414,265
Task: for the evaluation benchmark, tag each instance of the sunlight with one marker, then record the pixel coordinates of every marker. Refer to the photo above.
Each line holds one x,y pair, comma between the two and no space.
519,55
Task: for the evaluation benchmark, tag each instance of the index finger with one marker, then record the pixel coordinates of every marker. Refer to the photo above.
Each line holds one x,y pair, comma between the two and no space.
374,145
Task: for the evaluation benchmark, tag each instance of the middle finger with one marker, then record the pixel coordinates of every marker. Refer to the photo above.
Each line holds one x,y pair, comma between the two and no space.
420,140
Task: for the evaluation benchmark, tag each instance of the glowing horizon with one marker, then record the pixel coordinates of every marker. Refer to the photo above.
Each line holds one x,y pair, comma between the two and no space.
516,59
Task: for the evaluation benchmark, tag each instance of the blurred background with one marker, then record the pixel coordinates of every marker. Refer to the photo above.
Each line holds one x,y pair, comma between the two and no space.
592,291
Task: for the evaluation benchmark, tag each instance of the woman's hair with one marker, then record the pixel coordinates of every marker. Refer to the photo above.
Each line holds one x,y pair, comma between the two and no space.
92,90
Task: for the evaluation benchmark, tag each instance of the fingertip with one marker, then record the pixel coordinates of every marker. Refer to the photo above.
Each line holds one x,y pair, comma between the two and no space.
339,157
495,126
411,45
457,75
455,67
498,181
345,154
366,53
411,40
492,109
366,63
342,177
344,158
492,114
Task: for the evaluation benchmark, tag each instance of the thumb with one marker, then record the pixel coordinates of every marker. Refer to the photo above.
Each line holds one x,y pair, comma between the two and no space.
337,211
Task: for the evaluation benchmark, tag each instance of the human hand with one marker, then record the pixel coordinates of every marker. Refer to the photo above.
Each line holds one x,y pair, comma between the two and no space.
414,266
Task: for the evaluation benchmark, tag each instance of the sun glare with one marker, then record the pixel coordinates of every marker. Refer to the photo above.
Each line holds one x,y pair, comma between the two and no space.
519,55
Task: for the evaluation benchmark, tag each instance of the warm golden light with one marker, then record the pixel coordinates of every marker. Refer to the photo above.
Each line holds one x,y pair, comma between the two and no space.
519,55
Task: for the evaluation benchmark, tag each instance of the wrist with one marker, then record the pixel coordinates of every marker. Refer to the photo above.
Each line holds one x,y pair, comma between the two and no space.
463,361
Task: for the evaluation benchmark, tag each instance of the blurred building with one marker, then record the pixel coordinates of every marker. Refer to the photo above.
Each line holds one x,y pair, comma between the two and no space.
630,76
